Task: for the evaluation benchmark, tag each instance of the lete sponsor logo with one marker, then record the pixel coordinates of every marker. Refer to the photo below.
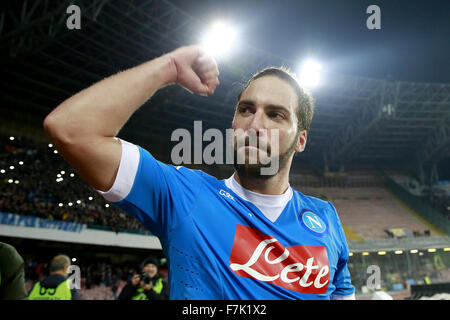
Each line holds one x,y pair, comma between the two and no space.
261,257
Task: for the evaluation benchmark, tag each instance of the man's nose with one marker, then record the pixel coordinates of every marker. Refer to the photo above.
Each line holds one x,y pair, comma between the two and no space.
258,123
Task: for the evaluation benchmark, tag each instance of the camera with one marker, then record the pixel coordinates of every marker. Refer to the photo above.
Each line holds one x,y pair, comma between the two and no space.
145,278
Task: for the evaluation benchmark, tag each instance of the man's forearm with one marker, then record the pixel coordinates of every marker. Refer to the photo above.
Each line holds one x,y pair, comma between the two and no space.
104,108
83,127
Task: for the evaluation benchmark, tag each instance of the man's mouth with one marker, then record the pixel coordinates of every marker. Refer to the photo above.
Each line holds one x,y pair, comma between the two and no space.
258,145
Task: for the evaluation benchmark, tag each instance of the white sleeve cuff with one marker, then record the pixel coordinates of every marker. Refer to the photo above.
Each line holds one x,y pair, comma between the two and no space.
129,163
339,297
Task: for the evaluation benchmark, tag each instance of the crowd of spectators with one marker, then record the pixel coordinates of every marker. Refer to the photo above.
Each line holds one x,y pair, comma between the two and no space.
29,186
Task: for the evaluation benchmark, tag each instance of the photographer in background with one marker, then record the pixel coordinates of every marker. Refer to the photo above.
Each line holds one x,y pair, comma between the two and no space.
149,285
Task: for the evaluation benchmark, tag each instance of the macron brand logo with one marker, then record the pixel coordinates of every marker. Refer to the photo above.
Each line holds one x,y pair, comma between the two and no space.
261,257
225,194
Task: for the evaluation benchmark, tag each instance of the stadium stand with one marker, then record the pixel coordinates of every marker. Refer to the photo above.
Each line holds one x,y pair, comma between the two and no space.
437,195
371,211
368,212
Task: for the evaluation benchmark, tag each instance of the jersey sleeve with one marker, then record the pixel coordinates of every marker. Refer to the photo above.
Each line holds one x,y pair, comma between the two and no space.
342,279
157,194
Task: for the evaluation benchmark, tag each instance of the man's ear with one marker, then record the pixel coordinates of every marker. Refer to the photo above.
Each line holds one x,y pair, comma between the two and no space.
301,141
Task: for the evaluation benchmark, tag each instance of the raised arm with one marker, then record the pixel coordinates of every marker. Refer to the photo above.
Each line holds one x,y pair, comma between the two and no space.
83,127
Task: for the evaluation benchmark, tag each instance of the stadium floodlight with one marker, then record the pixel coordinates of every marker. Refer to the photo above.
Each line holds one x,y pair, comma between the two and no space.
414,251
381,253
78,201
431,250
90,198
365,253
16,182
74,259
398,252
72,175
446,249
310,74
11,167
60,204
218,40
70,204
10,181
107,205
21,163
11,138
63,172
50,145
2,171
350,254
55,152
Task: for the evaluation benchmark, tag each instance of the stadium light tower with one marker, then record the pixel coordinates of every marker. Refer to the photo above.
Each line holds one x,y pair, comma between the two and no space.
219,39
310,74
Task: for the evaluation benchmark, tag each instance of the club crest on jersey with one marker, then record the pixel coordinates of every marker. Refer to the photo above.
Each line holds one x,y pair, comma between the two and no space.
313,223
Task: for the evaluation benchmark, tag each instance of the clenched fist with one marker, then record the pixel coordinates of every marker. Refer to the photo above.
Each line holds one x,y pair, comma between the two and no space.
196,70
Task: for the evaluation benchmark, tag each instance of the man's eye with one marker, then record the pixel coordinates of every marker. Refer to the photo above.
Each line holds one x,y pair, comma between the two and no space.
244,110
276,115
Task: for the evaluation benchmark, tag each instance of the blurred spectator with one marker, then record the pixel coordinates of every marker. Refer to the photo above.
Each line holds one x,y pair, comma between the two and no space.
56,286
12,275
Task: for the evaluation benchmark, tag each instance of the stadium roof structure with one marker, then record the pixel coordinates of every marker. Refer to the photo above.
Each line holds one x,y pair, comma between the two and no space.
357,119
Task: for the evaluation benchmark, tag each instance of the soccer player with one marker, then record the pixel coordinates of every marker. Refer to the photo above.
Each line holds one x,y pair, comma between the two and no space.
250,236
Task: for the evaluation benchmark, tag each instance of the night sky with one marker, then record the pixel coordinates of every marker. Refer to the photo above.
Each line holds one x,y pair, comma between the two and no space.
412,45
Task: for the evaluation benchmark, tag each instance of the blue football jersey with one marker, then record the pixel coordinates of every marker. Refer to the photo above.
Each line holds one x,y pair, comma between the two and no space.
220,246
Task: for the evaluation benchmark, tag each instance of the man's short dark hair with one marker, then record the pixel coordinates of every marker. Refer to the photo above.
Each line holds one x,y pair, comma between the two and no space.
305,107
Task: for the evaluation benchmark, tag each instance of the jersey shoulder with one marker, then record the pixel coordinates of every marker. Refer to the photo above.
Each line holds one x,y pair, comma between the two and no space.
196,176
317,205
311,201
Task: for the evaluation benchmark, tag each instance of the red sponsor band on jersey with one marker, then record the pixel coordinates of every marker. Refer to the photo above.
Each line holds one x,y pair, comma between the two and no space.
259,256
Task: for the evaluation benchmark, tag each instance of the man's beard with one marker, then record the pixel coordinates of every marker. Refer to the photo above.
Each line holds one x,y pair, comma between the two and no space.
254,170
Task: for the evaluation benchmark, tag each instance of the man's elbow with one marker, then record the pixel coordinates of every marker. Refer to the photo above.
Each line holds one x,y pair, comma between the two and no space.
50,126
57,130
